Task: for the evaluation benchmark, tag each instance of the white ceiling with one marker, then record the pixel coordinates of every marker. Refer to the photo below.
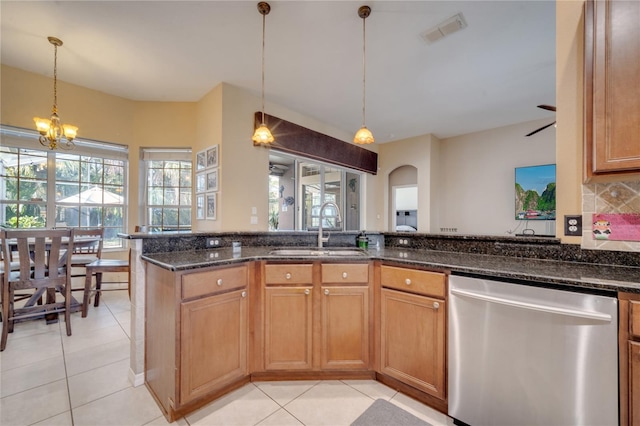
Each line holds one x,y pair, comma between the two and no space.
492,73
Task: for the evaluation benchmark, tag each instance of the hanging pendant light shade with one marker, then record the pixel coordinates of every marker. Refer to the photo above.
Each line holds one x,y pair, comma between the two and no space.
364,135
50,129
263,135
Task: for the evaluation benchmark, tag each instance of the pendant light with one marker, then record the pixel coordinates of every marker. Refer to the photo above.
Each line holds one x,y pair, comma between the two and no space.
364,135
263,135
51,131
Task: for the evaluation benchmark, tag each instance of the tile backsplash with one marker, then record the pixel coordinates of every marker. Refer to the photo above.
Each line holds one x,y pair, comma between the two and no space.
615,197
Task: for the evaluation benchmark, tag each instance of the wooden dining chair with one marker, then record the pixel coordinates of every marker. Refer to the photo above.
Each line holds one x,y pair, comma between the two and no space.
87,248
45,266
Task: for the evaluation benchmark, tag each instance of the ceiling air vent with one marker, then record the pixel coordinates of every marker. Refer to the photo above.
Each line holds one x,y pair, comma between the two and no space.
451,25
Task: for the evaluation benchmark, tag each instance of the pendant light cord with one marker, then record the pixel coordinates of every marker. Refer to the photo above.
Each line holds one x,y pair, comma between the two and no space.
55,78
364,70
263,33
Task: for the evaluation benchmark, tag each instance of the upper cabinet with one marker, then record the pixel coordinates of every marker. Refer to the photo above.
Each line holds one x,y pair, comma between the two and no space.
612,87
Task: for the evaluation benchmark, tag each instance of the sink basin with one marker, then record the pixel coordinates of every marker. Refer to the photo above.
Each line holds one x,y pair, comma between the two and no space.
317,252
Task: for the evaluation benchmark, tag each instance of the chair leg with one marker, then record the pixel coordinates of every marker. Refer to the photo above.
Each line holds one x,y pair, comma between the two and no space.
87,293
5,316
96,300
67,306
10,322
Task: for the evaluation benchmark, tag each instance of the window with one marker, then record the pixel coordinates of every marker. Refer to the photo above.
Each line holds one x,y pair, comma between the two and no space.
83,188
168,189
299,186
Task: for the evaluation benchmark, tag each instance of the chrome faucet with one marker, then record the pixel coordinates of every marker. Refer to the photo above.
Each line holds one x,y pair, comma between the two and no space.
322,239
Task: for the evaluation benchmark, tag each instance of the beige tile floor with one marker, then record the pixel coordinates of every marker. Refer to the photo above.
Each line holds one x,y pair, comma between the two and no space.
49,378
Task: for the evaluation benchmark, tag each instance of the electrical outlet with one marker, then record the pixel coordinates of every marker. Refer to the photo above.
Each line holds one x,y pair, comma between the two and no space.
213,242
573,225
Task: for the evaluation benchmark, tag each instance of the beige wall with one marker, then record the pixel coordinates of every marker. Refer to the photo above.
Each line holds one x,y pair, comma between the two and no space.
569,102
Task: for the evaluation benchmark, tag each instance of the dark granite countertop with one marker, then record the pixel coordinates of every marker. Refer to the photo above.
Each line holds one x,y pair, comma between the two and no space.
577,275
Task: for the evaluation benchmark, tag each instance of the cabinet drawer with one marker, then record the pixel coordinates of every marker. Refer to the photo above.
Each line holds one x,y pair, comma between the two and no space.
421,282
288,274
345,273
214,281
634,319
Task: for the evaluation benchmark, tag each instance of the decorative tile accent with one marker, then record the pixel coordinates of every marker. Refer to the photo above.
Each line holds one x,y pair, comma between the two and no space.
614,197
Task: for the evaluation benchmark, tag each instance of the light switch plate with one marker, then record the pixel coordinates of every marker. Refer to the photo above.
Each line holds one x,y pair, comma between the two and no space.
573,225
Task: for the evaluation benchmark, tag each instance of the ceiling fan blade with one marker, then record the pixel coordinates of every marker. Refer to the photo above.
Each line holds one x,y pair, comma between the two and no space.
547,107
540,129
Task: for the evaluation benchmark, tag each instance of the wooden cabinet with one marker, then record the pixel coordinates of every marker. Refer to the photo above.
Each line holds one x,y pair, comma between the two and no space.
629,352
316,317
196,335
612,87
413,327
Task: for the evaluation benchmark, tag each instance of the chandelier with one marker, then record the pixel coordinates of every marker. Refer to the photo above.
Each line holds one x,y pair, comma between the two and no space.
262,134
50,129
363,136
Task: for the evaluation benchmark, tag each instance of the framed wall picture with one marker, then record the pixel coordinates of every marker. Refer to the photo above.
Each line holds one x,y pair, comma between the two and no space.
212,180
211,205
200,206
201,182
212,156
201,160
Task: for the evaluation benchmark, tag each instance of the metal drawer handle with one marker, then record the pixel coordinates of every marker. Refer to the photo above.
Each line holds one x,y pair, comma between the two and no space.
244,294
407,281
219,281
287,275
344,275
307,292
436,305
326,291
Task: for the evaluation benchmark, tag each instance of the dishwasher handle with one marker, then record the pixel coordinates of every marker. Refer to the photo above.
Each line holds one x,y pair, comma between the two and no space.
534,306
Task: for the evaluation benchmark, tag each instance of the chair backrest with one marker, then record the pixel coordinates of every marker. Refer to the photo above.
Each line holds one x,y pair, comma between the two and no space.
43,256
88,241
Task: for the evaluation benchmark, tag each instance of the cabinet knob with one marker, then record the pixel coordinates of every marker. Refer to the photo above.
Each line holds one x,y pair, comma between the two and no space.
436,305
244,294
288,275
307,291
344,275
326,291
407,281
219,282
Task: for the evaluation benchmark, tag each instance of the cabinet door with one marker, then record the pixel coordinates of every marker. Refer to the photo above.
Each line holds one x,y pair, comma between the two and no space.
345,327
612,82
213,348
413,340
288,328
634,383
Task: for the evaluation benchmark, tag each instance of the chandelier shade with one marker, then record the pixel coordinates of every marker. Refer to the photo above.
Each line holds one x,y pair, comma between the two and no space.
263,135
51,130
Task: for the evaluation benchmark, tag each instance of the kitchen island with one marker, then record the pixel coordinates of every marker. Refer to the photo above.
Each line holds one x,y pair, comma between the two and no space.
531,261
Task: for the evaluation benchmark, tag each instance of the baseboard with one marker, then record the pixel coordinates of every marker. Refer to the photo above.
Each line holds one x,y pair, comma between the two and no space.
136,379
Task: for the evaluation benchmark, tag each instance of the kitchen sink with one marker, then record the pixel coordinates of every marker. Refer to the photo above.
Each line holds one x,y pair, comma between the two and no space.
317,252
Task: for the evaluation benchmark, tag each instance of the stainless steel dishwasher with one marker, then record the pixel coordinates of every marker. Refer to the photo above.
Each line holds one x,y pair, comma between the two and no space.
527,355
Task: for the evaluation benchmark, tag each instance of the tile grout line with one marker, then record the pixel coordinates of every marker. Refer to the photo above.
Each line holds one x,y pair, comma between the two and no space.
66,373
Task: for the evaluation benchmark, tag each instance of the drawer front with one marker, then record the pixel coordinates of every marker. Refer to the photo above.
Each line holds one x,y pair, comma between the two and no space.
421,282
345,273
215,281
634,319
288,274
